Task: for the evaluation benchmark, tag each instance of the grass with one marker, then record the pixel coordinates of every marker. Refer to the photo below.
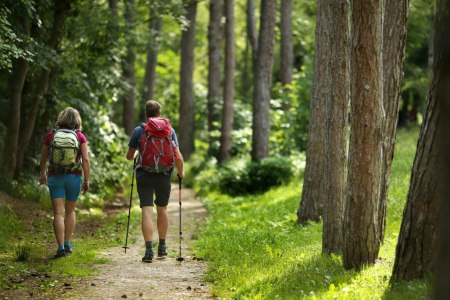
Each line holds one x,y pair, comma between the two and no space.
27,247
255,250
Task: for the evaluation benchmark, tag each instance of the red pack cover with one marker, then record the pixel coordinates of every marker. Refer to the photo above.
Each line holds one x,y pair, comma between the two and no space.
157,146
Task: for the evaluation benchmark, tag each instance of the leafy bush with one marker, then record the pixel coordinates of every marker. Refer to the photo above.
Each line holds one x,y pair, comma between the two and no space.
255,177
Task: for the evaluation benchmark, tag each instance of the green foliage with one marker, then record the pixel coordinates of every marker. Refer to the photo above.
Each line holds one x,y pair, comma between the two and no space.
255,250
23,252
26,188
240,178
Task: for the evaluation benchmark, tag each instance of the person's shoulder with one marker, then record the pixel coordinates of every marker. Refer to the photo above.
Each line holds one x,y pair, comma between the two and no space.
81,137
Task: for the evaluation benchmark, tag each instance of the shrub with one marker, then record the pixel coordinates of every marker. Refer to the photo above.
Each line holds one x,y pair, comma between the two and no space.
23,252
255,177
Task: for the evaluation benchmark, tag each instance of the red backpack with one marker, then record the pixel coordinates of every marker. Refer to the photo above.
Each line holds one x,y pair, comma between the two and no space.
157,146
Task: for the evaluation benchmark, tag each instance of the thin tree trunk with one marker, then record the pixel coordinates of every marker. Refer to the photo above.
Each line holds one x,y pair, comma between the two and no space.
129,71
114,26
228,87
154,30
245,84
313,196
336,132
361,228
417,249
62,9
20,69
187,125
214,68
263,81
286,51
394,41
252,33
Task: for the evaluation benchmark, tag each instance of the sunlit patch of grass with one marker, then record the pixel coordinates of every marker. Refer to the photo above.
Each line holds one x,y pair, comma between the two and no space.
255,250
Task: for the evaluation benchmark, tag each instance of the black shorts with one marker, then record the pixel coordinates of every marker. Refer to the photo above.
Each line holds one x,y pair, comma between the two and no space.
154,183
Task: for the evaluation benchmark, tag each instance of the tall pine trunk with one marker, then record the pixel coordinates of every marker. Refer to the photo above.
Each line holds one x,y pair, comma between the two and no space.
154,30
313,196
187,125
214,67
20,69
336,132
62,9
286,51
361,227
394,41
263,81
228,87
417,249
129,71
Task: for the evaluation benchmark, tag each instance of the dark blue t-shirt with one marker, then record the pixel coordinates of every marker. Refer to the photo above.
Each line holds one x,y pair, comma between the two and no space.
135,142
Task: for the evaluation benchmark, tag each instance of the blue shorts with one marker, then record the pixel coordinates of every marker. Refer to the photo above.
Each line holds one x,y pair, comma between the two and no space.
65,186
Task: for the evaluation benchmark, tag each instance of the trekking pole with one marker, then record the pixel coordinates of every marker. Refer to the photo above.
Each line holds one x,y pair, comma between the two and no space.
180,258
129,208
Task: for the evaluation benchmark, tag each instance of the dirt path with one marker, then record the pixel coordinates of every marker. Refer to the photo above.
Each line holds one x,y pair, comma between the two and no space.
127,277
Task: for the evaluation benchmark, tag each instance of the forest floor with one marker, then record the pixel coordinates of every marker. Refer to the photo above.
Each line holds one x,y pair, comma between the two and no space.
117,275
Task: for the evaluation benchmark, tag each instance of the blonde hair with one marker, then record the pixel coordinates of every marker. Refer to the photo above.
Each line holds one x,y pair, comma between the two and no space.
69,118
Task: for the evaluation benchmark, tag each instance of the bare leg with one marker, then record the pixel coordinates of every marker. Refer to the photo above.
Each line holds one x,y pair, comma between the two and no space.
70,220
147,224
58,220
162,221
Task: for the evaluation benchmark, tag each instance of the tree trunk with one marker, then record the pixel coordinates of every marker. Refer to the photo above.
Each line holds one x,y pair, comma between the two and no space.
154,30
361,228
20,69
417,249
62,9
187,125
252,33
313,196
114,26
128,71
228,87
336,131
286,51
394,41
263,81
214,68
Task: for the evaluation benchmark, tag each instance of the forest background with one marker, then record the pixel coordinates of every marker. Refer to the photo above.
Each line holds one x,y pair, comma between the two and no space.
106,58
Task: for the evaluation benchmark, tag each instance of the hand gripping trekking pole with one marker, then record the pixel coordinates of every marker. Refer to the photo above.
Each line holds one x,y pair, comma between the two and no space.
180,258
129,208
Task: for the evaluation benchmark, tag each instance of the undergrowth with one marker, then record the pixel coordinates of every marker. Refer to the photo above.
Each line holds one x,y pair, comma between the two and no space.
255,250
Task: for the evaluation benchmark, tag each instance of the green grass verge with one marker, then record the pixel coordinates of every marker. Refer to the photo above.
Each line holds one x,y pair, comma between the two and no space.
32,232
255,250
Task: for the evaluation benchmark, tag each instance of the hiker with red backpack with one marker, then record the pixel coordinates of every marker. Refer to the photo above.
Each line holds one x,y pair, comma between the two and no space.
64,159
157,147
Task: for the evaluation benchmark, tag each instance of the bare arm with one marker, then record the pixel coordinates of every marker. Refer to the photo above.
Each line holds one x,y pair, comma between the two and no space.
43,165
86,167
131,153
179,162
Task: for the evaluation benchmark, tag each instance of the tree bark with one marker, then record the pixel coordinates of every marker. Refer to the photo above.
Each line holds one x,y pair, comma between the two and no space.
20,69
313,196
361,227
129,71
263,81
252,33
62,9
154,30
336,131
286,51
114,26
417,249
187,125
394,41
228,87
214,58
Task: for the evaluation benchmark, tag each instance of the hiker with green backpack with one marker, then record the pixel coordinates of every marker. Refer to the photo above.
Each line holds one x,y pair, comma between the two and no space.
156,146
64,159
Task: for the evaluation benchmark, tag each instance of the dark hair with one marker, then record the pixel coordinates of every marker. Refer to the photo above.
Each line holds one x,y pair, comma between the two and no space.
152,108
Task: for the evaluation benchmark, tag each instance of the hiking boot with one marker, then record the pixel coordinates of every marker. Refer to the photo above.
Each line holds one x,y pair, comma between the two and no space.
60,253
162,250
148,257
68,247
